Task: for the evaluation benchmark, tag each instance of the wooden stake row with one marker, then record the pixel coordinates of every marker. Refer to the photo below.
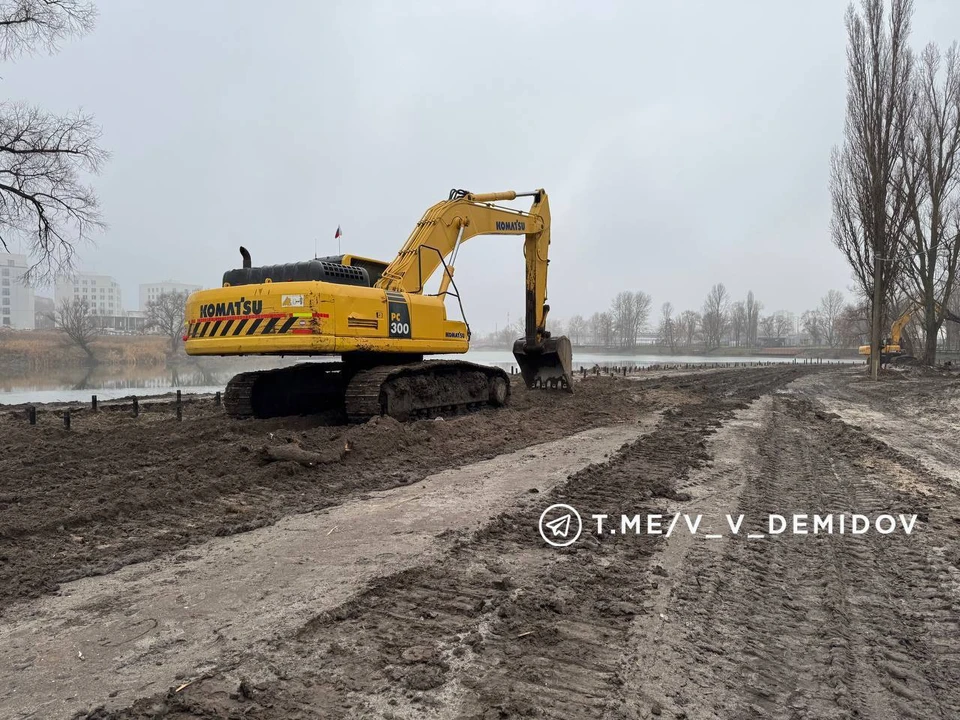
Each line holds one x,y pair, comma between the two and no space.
95,407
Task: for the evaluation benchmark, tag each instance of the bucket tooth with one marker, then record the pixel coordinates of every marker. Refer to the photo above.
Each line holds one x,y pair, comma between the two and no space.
547,365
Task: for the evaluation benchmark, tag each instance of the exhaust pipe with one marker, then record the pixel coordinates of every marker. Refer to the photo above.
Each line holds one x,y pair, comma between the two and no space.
246,257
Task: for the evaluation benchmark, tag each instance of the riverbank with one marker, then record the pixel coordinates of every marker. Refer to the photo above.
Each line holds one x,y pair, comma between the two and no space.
23,351
824,353
210,374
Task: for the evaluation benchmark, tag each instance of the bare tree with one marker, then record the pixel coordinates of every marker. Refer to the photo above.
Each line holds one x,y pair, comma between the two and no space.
768,325
932,190
29,25
621,310
715,315
754,309
558,327
782,323
667,331
73,319
602,329
641,314
869,214
689,326
738,321
812,322
630,312
510,332
576,328
607,331
594,325
853,326
44,156
165,315
831,307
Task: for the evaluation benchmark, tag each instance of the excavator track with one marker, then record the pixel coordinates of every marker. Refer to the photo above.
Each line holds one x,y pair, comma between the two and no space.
307,388
428,388
408,391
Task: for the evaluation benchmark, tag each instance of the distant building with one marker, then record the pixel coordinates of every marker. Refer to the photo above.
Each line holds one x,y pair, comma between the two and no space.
101,292
16,298
129,322
151,291
43,315
133,321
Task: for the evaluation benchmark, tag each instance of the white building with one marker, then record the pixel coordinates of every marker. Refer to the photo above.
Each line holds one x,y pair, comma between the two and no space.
151,291
101,292
16,299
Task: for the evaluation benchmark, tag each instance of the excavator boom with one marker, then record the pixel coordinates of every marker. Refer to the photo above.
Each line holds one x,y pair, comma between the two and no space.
452,222
543,361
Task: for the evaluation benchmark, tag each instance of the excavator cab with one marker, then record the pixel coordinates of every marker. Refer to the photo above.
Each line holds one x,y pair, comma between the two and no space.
548,364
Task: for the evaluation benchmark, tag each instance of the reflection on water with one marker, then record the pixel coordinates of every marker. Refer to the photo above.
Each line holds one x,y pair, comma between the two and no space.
109,378
200,375
208,375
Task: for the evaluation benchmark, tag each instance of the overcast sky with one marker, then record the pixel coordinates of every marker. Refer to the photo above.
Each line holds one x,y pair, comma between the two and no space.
682,143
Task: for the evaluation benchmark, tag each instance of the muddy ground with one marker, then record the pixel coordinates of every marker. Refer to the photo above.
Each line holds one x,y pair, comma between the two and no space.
115,489
422,608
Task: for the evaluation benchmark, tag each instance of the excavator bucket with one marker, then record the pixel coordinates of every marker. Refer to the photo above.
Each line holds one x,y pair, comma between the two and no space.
547,365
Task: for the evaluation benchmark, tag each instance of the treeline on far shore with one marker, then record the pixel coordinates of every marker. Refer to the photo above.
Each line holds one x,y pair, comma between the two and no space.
660,349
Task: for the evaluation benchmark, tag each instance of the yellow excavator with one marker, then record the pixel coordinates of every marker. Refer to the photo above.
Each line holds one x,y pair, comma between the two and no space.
379,319
894,349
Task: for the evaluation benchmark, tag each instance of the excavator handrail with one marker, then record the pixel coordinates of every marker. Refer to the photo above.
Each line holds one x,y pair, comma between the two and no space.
456,292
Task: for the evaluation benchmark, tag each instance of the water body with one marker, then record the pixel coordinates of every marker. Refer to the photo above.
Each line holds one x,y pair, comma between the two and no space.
212,374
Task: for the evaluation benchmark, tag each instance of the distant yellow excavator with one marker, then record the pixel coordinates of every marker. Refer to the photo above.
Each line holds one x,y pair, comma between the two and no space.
377,317
894,350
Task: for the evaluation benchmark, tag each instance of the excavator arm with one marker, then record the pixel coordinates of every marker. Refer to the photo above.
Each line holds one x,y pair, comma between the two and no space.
900,323
896,332
543,361
452,222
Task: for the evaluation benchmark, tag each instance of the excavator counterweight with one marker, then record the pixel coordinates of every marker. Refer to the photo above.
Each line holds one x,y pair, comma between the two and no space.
379,319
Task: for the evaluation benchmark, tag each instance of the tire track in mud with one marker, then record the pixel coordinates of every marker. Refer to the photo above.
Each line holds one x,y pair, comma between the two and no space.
816,626
906,410
503,626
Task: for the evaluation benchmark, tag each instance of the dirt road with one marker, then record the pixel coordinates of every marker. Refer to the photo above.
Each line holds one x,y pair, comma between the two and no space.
465,612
